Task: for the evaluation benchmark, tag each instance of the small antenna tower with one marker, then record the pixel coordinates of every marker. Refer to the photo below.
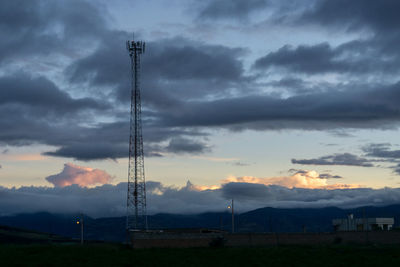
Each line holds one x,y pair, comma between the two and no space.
136,218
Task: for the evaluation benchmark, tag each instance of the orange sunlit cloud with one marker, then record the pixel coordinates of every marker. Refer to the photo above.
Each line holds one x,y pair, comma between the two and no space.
309,180
82,176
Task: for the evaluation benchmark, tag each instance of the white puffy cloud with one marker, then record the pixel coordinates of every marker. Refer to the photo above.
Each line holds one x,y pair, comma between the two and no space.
82,176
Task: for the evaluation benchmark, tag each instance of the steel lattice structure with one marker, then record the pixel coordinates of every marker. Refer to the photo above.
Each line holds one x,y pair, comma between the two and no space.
136,218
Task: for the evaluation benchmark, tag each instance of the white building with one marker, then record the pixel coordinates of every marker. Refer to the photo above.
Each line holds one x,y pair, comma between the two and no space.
362,224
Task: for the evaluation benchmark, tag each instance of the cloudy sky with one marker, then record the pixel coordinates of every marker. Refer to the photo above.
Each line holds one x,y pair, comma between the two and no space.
252,99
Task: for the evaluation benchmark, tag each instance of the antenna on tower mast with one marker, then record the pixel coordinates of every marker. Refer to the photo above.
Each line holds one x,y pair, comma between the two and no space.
136,218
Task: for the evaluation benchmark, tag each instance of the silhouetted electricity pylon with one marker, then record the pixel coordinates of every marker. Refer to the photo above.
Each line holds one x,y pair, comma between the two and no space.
136,218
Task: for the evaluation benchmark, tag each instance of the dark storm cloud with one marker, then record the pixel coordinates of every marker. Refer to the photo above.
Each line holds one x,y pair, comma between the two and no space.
77,141
180,70
172,70
40,27
316,59
42,95
378,15
278,196
374,51
382,150
296,86
355,57
110,141
231,9
359,108
34,110
91,151
345,159
107,65
175,60
187,86
171,59
105,140
184,145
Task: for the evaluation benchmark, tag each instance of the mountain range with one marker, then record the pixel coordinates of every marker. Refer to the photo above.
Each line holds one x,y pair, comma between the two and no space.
259,220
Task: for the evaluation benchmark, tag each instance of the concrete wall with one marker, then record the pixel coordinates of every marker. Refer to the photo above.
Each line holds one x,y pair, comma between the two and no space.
185,240
173,240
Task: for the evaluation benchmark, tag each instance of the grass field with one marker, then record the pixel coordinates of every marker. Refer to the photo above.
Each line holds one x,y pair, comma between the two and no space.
118,255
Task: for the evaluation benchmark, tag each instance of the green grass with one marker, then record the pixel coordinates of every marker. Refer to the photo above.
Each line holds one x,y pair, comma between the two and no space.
118,255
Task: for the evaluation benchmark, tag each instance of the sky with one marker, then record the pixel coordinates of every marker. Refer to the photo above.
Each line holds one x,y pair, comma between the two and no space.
273,103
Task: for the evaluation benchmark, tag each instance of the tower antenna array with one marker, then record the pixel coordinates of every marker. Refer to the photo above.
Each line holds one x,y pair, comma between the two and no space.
136,218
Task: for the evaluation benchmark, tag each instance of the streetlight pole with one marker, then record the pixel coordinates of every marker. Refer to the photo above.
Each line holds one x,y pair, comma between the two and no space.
233,216
80,221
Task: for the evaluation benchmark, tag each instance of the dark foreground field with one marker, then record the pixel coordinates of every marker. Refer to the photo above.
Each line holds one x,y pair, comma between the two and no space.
118,255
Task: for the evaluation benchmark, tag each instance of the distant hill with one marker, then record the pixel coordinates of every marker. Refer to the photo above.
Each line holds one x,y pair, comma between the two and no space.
12,235
260,220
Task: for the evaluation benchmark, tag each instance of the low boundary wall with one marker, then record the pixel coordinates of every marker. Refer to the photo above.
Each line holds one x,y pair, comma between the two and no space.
186,240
